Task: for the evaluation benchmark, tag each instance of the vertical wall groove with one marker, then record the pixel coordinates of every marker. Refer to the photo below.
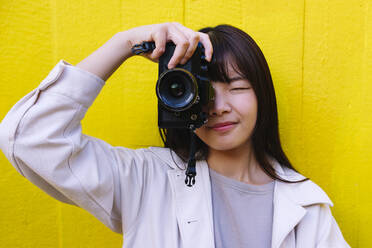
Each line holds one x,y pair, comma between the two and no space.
302,77
184,12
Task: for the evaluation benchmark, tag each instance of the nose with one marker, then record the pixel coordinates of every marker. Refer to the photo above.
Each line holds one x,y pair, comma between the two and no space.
220,105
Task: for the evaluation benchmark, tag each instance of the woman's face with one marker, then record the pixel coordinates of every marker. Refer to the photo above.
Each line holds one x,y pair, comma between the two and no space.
232,115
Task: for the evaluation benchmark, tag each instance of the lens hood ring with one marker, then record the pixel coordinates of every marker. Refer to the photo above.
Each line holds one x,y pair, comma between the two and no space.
192,87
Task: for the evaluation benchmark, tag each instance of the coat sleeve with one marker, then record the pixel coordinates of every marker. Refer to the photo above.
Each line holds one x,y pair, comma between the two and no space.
42,138
329,232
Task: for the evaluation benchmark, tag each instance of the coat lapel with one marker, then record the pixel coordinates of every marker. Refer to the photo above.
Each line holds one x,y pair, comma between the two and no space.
193,207
290,200
287,215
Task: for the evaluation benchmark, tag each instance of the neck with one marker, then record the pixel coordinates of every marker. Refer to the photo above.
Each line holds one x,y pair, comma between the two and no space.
239,164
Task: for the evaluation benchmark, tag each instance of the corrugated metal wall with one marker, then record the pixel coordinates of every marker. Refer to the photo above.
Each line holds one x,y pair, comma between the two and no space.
319,52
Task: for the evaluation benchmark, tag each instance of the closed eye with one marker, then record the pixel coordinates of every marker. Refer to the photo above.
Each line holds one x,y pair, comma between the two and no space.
240,88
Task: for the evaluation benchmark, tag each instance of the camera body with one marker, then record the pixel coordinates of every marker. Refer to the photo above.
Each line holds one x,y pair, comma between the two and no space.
184,91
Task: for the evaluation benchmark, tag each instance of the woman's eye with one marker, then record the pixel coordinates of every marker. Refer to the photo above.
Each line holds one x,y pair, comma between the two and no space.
240,88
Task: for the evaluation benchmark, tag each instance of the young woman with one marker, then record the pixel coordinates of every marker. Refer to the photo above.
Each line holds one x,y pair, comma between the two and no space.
247,194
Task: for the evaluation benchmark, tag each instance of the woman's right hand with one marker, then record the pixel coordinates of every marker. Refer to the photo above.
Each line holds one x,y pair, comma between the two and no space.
185,39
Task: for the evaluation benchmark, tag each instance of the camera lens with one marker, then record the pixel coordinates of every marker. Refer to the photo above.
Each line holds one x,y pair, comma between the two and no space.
177,89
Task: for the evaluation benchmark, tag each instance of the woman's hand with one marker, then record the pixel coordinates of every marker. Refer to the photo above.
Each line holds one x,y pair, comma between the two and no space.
106,59
185,39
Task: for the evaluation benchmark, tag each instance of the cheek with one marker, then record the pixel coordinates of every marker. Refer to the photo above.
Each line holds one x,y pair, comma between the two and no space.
247,106
247,112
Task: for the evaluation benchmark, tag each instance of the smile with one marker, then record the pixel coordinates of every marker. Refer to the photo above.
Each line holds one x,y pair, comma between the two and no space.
223,127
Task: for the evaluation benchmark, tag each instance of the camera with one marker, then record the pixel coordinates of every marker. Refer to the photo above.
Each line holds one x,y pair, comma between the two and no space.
184,91
183,95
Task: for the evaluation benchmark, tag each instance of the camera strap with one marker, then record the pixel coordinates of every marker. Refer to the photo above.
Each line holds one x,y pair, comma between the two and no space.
191,170
144,47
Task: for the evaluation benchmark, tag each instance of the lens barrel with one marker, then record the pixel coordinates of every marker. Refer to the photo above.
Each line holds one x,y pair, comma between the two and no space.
177,89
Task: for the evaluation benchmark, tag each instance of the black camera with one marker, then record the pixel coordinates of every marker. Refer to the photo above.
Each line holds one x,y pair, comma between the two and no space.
183,95
183,91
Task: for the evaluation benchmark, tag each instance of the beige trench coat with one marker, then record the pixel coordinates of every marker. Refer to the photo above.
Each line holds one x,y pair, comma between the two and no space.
140,193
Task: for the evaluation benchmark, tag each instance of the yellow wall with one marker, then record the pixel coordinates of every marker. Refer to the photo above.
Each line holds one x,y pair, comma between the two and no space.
319,52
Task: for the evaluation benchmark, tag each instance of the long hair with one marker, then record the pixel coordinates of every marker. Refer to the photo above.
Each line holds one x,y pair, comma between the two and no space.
234,46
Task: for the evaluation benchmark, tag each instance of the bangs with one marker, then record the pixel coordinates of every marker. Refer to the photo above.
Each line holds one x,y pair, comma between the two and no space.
223,59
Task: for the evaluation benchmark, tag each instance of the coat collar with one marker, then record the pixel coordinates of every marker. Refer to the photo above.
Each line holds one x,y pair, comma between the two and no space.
194,204
290,200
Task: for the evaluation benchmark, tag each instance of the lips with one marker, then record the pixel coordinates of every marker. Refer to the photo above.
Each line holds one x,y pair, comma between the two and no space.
222,124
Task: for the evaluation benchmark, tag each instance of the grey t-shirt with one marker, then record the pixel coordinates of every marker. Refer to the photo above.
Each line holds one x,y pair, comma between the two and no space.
242,213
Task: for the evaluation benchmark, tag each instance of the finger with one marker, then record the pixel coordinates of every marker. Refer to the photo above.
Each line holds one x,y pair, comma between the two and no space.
160,38
193,40
208,48
182,45
203,37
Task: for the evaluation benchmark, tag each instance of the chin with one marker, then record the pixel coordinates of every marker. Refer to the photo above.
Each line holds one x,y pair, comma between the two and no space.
223,146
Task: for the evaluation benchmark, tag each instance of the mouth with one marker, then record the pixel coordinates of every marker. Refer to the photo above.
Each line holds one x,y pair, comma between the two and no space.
223,126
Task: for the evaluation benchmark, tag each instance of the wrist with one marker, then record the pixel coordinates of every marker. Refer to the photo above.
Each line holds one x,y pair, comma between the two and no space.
125,44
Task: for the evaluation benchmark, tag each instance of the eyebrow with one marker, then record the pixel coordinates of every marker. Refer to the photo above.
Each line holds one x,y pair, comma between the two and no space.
235,79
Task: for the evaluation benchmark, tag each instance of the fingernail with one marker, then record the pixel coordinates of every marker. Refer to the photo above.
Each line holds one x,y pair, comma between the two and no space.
170,66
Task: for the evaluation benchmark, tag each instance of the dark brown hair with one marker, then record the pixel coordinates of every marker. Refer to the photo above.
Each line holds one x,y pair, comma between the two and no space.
232,45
